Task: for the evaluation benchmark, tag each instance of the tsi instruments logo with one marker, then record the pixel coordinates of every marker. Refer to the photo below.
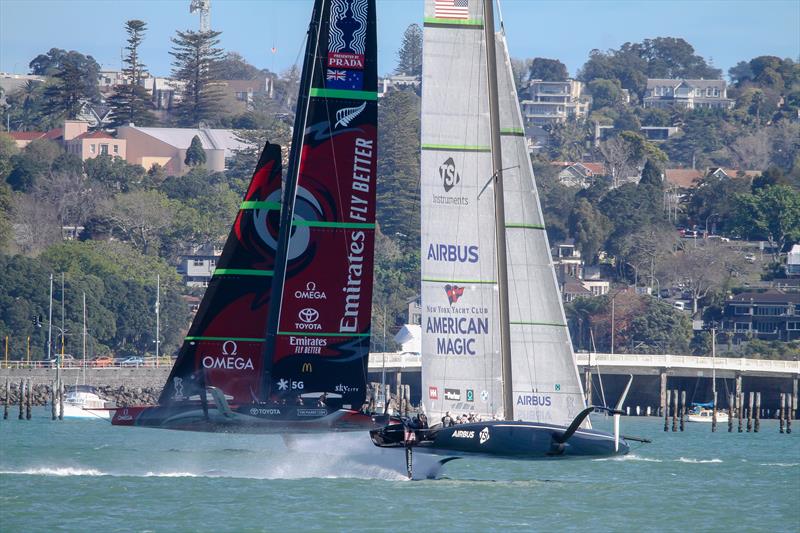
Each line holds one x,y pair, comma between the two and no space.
449,178
229,360
308,319
310,293
484,435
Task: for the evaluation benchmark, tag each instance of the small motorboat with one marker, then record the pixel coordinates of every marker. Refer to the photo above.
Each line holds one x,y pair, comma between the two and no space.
83,401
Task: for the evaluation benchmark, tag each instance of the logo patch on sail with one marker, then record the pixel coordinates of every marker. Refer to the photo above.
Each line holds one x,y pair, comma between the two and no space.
454,292
346,115
347,34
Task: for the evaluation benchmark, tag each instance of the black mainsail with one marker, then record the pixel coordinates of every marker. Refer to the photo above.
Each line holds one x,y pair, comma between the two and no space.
281,339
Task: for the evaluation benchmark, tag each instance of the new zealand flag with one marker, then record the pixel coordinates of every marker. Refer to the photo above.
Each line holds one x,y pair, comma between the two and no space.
344,79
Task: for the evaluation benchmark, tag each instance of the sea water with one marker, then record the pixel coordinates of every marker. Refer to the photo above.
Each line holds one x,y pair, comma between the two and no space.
91,476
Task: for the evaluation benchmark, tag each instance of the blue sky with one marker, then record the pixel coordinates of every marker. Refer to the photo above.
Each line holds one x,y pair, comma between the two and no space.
725,31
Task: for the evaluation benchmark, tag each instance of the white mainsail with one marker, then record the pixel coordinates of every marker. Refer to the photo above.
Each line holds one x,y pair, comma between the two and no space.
546,384
461,364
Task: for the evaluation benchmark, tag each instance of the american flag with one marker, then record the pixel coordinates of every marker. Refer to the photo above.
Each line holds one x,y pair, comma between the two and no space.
336,75
451,9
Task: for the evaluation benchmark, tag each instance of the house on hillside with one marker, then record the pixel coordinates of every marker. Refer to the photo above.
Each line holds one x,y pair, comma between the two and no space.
574,278
198,264
241,94
577,174
547,103
687,94
771,315
89,145
167,147
793,262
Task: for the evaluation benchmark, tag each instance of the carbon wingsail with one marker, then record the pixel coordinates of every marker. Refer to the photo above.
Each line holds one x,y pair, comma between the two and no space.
319,332
225,341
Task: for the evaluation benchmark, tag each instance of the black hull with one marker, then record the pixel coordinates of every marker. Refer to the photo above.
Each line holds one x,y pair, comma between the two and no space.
514,440
254,419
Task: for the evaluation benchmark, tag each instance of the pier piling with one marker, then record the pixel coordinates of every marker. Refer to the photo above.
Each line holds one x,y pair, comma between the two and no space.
750,413
30,401
7,399
665,409
730,413
714,413
61,401
683,408
675,410
21,398
740,405
53,399
789,413
780,412
757,422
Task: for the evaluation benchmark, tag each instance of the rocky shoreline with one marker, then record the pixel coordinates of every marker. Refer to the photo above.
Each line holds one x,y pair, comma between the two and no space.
121,396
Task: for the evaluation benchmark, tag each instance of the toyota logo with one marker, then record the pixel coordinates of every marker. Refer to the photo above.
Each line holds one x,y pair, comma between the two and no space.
308,315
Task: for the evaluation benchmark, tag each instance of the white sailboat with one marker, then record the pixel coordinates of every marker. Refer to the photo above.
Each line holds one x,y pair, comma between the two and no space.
83,401
495,343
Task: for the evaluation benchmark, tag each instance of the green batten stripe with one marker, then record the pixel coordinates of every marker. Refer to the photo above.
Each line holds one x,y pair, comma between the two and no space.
258,204
343,93
538,324
436,21
513,131
456,148
324,224
308,334
242,272
525,226
465,281
242,339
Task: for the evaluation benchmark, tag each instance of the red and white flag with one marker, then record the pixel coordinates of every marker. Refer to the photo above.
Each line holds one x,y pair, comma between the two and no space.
451,9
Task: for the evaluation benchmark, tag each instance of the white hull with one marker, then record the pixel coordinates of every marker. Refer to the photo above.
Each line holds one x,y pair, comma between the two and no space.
722,417
78,412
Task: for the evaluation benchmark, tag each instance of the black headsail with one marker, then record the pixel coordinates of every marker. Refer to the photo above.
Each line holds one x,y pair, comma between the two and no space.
319,326
224,344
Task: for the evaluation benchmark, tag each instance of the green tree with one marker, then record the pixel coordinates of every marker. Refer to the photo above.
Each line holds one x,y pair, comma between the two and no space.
547,70
195,155
8,149
409,57
195,59
771,213
605,93
114,173
131,102
232,66
660,329
589,228
75,81
398,166
5,215
31,163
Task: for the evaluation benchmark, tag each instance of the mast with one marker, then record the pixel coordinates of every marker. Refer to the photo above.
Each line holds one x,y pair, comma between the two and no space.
499,211
84,338
50,322
290,194
158,314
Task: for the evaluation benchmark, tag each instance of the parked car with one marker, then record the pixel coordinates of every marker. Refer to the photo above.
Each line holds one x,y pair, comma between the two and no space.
133,361
103,361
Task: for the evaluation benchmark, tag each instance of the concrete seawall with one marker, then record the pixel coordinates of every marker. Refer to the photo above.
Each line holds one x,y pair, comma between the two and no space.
130,378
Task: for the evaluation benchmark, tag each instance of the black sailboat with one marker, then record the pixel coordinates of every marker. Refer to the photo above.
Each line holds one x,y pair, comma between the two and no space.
281,339
494,336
